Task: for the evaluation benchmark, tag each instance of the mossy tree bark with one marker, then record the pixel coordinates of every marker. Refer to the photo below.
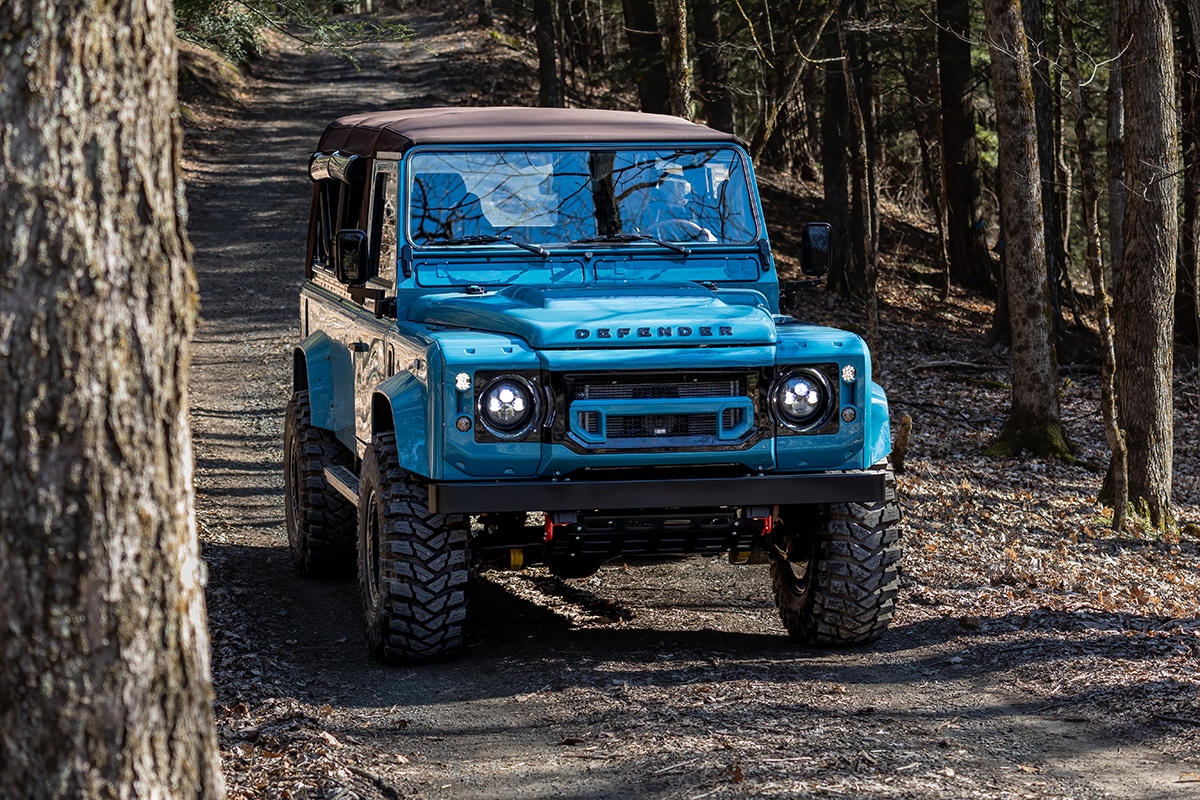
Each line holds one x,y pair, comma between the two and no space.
1034,422
104,655
1144,310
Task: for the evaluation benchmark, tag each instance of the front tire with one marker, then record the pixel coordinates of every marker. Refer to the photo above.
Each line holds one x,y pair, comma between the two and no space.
836,575
413,565
320,522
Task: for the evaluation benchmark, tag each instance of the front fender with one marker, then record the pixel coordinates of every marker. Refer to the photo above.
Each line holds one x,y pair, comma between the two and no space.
401,404
879,429
321,365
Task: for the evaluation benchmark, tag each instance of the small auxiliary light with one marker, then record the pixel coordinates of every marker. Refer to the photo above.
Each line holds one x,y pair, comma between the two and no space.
462,381
849,374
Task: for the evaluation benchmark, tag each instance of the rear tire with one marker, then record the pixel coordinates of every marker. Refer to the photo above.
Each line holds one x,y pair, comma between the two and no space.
320,522
413,566
836,578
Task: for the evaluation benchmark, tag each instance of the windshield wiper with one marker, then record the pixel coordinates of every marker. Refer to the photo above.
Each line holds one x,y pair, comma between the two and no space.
633,237
491,239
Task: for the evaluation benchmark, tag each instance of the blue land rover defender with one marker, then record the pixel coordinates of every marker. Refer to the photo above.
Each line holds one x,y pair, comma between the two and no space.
554,336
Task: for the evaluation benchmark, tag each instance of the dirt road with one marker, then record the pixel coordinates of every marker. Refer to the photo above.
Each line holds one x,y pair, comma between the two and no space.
673,680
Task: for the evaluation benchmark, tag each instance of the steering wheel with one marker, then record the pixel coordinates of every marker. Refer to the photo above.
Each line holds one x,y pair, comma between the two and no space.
680,230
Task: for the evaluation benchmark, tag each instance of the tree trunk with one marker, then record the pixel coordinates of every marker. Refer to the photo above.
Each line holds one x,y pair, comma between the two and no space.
1033,15
1194,172
836,171
1033,423
646,55
714,91
104,660
679,68
925,128
1187,302
1119,464
970,262
861,206
549,95
864,196
1144,308
1115,146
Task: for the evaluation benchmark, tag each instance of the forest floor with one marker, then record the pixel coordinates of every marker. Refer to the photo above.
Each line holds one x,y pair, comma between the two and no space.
1034,653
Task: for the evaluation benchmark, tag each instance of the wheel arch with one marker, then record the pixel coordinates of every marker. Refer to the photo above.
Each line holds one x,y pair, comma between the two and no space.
879,430
321,365
400,405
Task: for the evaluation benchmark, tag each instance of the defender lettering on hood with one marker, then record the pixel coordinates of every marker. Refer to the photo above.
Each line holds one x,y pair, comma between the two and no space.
661,332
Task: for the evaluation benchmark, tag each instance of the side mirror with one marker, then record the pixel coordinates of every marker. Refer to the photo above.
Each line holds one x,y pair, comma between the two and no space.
350,251
816,249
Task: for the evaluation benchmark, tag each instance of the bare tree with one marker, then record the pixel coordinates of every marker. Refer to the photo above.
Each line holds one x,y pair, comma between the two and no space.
104,670
714,90
970,261
1091,223
790,74
1144,307
1033,15
835,169
864,201
646,54
549,95
1187,306
1115,145
679,68
1034,422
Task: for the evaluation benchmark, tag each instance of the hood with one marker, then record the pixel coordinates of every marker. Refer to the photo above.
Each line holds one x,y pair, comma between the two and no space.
599,316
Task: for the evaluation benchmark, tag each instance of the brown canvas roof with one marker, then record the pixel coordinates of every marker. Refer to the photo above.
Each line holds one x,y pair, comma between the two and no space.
370,133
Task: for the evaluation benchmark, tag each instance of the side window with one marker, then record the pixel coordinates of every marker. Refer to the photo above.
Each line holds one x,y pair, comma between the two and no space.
338,206
383,224
322,253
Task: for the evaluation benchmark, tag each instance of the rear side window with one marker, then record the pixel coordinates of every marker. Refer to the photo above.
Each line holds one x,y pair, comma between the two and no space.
338,205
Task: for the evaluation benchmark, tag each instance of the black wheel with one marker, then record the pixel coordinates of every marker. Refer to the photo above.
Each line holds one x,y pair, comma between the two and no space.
413,566
836,574
320,522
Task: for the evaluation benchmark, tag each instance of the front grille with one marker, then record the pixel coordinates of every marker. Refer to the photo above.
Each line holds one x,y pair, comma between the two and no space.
669,425
657,387
667,410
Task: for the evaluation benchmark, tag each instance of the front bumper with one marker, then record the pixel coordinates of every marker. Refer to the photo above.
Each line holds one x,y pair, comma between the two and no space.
477,497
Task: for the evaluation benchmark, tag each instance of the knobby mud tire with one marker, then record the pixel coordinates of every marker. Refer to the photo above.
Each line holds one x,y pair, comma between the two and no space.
321,523
413,566
838,586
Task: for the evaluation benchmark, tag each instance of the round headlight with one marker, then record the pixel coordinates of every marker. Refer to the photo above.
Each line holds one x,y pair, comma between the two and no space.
803,399
508,406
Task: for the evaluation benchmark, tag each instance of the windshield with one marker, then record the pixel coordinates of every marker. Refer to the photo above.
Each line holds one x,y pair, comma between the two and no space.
561,197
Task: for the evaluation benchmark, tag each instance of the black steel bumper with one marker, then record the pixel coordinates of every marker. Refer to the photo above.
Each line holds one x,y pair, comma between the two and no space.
477,497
